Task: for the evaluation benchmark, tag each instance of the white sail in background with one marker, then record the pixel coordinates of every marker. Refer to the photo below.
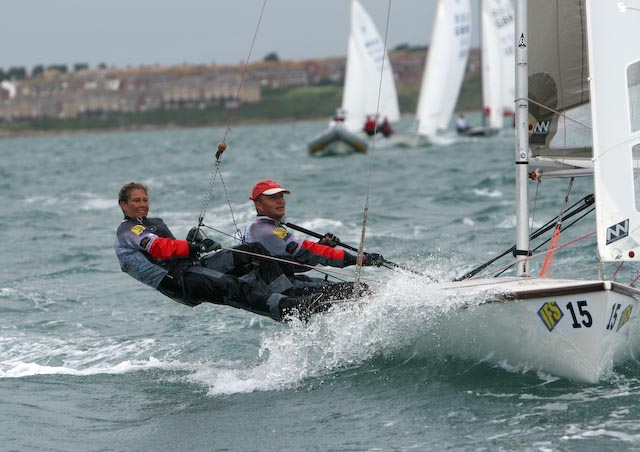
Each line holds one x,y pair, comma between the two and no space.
615,109
367,61
498,71
445,66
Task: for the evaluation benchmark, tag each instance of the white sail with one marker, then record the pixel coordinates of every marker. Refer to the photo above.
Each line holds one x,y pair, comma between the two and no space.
445,66
498,71
367,61
615,108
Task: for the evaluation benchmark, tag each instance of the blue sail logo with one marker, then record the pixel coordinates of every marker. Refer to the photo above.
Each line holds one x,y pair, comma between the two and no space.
541,127
617,231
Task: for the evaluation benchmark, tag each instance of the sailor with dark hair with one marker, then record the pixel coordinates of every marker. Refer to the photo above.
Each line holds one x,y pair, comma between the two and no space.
148,251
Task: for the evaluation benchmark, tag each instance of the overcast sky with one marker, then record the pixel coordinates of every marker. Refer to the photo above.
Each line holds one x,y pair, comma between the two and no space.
143,32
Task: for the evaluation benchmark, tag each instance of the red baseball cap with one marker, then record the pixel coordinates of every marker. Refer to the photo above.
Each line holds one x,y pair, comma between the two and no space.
266,187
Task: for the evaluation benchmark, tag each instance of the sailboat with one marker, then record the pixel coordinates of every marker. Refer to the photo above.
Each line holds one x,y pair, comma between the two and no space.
367,62
577,113
498,71
444,69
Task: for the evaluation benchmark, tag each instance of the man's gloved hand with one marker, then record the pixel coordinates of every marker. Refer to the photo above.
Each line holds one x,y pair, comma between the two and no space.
208,245
329,240
370,259
195,235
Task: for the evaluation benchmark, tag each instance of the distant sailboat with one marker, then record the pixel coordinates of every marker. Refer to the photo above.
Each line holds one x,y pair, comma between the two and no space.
444,68
499,76
498,71
367,61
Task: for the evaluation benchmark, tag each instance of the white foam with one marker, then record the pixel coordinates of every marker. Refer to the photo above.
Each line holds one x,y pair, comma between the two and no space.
46,201
25,355
95,203
348,335
26,369
487,193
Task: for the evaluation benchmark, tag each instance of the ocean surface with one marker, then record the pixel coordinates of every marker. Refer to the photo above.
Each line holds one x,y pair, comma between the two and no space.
91,360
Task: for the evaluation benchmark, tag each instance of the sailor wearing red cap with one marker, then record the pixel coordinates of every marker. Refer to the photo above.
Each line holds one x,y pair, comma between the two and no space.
269,230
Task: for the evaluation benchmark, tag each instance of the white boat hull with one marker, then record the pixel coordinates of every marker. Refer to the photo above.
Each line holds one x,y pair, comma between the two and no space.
568,328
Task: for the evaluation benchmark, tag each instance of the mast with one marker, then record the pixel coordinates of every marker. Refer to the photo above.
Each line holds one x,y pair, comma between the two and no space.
483,61
522,139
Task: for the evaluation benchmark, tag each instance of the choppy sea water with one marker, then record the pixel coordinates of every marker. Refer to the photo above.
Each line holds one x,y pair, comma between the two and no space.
91,360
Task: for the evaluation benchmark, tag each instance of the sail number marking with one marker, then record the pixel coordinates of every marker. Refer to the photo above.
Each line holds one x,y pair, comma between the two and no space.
582,317
624,316
551,314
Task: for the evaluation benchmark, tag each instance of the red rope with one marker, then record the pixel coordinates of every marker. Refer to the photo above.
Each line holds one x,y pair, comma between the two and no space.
548,259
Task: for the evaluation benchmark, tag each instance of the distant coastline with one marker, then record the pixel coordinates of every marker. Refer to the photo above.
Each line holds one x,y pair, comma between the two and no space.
287,91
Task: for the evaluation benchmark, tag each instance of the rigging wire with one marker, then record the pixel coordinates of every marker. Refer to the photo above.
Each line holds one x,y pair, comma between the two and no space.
580,205
222,145
365,213
500,271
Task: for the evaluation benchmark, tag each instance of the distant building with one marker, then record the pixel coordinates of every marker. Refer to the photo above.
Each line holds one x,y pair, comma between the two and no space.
104,91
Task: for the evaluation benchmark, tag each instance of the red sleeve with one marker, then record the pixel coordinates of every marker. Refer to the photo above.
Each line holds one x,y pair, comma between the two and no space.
163,248
323,250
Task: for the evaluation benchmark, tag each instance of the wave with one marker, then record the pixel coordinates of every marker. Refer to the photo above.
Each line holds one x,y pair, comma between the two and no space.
399,322
26,355
26,369
487,193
